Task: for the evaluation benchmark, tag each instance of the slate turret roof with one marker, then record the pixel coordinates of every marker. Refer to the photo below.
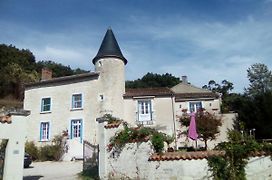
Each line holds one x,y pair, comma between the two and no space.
109,48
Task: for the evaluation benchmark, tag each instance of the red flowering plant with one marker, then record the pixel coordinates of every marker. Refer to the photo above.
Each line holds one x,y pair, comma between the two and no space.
207,125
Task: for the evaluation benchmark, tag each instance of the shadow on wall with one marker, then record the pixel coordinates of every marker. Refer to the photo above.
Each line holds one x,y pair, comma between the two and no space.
32,177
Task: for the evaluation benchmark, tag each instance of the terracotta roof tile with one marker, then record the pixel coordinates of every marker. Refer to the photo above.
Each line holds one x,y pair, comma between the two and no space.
113,125
171,156
156,91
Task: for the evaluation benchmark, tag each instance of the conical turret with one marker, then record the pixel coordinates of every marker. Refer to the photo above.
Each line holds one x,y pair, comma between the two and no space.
109,48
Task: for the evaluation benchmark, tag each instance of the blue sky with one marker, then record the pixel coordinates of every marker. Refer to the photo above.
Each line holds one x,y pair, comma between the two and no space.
211,39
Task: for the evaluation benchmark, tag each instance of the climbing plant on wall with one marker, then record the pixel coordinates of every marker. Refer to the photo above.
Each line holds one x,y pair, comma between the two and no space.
139,134
237,151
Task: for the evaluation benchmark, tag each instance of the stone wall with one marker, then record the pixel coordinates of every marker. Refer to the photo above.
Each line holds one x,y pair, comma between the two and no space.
15,133
133,163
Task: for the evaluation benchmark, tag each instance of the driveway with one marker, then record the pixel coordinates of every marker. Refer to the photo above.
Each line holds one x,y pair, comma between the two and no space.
53,170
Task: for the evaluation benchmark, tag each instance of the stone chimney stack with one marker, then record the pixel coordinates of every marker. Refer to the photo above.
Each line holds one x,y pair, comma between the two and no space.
184,79
46,74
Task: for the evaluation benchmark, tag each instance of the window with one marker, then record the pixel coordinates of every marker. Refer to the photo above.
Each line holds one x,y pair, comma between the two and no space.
76,129
144,110
77,101
44,131
46,105
195,106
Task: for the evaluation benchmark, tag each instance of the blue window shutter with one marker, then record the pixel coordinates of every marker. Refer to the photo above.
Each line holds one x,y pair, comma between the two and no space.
81,124
42,105
150,109
73,101
48,133
40,131
71,132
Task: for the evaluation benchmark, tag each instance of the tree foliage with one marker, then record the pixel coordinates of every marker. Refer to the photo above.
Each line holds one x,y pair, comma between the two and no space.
260,78
237,152
224,89
255,106
154,80
19,66
58,69
255,113
207,125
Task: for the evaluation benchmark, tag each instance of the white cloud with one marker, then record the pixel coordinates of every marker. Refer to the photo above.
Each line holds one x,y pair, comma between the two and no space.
214,50
201,50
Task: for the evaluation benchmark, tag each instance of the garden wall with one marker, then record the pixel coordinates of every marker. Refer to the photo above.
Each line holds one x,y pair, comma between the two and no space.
135,162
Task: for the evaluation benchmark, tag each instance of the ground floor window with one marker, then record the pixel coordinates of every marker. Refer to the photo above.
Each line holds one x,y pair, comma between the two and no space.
44,131
144,110
195,106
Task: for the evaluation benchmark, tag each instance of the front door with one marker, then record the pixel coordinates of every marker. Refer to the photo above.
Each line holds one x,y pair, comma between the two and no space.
75,142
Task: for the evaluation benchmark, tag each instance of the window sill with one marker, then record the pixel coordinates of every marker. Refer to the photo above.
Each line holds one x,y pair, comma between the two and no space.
46,140
76,109
151,122
45,112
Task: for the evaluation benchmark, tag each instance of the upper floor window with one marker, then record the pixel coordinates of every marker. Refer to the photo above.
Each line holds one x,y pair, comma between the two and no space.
46,105
44,131
195,106
77,101
144,111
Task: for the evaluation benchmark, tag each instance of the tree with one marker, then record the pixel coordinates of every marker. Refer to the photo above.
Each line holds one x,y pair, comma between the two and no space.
154,80
58,69
260,79
22,60
225,90
15,77
255,113
207,125
18,66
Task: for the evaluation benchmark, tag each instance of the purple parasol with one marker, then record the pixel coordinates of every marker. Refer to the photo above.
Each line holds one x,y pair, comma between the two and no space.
192,134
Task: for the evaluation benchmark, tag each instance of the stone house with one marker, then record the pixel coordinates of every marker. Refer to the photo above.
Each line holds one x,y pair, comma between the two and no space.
73,103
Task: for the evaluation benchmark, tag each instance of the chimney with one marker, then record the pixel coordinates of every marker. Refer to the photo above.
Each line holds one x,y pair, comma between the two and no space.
184,79
46,74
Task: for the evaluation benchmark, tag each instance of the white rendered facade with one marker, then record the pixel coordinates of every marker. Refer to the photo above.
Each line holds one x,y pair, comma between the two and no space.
74,103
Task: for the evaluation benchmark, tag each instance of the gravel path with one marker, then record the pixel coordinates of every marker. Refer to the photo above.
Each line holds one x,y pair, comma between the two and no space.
53,170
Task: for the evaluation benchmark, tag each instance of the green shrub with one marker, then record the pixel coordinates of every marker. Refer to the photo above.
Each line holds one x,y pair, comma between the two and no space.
54,151
32,150
157,141
3,145
237,152
49,152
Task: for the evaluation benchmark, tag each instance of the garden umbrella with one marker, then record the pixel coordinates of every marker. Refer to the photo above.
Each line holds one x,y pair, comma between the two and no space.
192,134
